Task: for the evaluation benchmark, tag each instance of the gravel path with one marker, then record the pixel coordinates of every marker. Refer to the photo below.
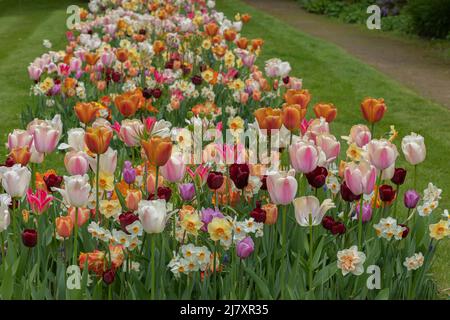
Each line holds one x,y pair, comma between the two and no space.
402,60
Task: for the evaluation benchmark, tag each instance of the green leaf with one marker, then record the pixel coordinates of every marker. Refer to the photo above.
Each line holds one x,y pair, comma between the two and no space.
324,275
383,294
261,285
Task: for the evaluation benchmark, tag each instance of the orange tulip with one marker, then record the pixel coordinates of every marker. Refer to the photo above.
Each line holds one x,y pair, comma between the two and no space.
158,46
300,97
129,102
64,226
91,58
291,117
132,199
83,215
257,43
98,139
86,111
122,55
158,150
211,29
242,43
373,109
325,110
268,118
229,34
246,18
21,155
271,213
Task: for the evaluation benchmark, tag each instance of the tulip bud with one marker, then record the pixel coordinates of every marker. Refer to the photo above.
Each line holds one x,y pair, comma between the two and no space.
325,110
128,173
245,248
411,198
64,226
317,177
215,180
387,193
98,139
258,213
109,276
373,109
29,238
328,222
399,176
187,191
271,211
239,174
338,228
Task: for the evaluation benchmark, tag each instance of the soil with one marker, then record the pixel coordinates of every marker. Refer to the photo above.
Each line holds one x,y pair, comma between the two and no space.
408,62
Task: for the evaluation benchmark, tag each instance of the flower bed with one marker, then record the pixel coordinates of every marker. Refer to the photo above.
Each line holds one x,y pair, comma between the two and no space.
191,173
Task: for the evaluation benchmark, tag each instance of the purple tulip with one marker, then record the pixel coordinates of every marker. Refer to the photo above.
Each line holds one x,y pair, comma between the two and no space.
245,247
207,216
411,199
187,191
128,172
367,211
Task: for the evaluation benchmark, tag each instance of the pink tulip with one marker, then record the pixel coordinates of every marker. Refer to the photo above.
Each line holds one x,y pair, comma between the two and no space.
360,178
131,131
19,139
360,134
282,187
76,162
39,201
382,153
317,127
174,169
329,145
304,156
34,72
309,211
46,138
413,147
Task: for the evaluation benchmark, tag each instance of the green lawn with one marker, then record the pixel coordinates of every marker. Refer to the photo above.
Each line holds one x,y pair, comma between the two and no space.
333,76
330,74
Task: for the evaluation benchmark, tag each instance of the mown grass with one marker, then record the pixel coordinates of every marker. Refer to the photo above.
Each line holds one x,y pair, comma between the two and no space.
332,75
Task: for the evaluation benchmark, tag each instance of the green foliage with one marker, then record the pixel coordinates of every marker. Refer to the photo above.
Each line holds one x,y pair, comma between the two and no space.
430,18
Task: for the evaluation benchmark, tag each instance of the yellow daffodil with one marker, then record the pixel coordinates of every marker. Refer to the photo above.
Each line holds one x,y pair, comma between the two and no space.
439,230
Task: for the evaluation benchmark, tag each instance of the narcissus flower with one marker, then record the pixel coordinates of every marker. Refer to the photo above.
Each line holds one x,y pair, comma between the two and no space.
439,230
351,261
98,139
110,208
373,109
191,223
220,229
414,262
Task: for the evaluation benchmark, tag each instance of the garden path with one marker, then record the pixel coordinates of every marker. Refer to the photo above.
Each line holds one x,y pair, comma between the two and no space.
408,62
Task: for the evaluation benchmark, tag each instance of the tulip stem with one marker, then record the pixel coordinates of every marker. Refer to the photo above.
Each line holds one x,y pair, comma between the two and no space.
155,196
283,255
415,177
215,269
311,253
153,292
75,238
397,194
97,184
2,245
361,204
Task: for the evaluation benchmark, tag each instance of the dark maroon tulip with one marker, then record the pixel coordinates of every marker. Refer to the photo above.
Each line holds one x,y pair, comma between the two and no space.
338,228
109,276
197,80
156,93
411,198
399,176
214,180
126,219
387,193
347,194
53,181
142,31
29,237
317,177
116,77
258,213
147,93
286,80
328,222
264,182
9,162
164,193
239,174
406,231
169,64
